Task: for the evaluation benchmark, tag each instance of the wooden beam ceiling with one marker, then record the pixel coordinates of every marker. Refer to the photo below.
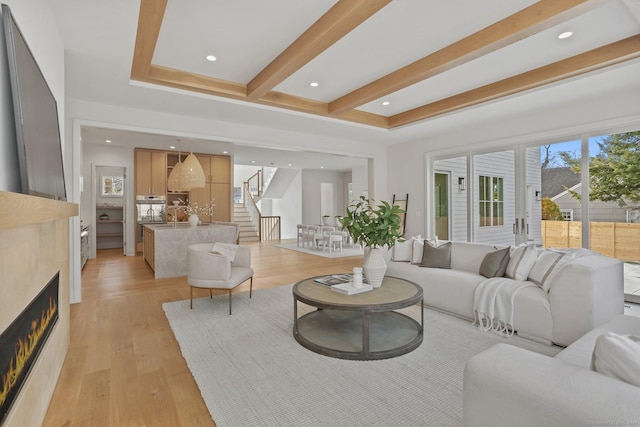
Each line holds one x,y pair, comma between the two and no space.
345,16
535,18
605,56
339,21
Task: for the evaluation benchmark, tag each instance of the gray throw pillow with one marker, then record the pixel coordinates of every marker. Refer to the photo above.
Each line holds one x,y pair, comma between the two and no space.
436,256
494,264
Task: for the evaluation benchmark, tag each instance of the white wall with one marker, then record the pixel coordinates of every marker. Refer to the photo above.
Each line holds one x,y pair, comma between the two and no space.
289,208
311,209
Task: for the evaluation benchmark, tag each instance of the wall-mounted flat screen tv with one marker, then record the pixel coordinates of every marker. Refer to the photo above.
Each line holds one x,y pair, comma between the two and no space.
36,118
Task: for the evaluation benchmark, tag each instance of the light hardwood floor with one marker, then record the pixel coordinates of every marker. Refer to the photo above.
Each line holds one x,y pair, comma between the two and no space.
124,366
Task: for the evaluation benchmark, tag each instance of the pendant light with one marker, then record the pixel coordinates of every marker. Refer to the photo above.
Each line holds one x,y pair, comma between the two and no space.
192,169
177,180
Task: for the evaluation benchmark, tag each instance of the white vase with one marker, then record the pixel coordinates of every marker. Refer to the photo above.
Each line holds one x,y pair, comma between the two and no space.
327,220
374,266
193,219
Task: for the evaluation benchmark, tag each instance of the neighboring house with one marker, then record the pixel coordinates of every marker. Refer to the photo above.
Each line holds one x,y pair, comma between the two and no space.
557,184
493,216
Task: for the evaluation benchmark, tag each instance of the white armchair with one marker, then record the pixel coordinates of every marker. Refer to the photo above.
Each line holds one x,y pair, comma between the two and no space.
208,270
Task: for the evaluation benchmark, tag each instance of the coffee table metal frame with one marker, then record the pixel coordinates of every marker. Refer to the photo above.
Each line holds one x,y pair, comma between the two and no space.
377,304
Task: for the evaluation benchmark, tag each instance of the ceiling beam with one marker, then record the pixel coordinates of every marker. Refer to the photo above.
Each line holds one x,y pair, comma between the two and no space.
525,23
339,21
605,56
149,23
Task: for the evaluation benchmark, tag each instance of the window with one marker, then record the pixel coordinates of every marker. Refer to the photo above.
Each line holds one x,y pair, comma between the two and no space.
491,201
567,214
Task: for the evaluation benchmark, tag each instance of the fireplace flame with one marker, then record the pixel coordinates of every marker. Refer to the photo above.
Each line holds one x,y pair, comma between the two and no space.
24,349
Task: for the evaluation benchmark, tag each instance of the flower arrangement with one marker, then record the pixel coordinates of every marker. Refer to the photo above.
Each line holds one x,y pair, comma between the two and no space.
371,225
190,209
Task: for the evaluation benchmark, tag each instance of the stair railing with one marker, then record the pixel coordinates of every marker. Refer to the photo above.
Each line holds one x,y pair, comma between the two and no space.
254,184
268,225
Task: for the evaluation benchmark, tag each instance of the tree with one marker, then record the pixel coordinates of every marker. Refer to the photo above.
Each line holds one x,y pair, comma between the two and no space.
614,174
550,210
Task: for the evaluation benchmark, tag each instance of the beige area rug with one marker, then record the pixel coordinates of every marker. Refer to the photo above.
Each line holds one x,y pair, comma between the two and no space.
346,251
252,372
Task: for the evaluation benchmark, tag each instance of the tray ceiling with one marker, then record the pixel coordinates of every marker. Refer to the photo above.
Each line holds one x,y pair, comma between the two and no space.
422,58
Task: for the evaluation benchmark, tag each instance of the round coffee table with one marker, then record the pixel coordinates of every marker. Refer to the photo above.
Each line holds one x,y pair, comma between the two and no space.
363,326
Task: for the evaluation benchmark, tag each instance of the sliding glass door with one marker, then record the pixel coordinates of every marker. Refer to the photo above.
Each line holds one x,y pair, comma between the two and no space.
535,194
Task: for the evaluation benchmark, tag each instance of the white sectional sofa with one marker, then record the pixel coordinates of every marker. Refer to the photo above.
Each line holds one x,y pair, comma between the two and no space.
584,293
508,386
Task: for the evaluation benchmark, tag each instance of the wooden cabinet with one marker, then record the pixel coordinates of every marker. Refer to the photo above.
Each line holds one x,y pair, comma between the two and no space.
217,171
151,172
109,227
153,168
148,249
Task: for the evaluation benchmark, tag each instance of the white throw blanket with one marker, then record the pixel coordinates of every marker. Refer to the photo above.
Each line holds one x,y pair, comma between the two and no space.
493,304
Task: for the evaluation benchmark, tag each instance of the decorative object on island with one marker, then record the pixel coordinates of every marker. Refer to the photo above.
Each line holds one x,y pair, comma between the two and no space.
373,226
193,210
326,220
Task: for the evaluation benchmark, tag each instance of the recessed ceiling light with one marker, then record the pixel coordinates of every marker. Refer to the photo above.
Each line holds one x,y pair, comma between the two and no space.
313,84
290,164
211,58
386,103
321,167
565,35
253,161
108,141
173,147
225,152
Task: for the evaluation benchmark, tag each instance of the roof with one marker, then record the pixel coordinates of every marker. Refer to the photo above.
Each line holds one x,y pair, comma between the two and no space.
557,180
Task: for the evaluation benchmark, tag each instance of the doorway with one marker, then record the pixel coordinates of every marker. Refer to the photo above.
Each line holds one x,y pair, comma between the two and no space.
109,205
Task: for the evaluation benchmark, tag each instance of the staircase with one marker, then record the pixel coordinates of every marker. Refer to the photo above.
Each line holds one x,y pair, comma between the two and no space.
248,230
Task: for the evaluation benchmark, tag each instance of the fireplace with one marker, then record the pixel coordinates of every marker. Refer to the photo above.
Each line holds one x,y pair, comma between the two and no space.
23,340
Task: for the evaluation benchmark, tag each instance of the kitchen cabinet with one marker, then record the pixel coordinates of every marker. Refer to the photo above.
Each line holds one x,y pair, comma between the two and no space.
151,172
217,171
148,244
109,227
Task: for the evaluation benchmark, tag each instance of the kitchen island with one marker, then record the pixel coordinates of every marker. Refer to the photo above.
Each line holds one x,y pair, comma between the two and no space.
165,245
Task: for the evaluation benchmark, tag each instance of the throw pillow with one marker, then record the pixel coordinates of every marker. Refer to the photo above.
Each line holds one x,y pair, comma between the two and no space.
227,249
521,260
494,264
402,251
547,265
436,256
617,356
417,249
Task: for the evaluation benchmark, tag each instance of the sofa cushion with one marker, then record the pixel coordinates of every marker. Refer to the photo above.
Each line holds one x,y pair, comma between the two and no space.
468,256
448,290
436,256
495,263
618,356
521,261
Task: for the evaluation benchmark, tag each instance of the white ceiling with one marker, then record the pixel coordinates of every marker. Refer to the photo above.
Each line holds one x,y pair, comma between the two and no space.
246,35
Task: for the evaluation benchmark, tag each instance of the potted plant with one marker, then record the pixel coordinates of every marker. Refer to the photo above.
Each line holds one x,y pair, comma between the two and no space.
373,226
